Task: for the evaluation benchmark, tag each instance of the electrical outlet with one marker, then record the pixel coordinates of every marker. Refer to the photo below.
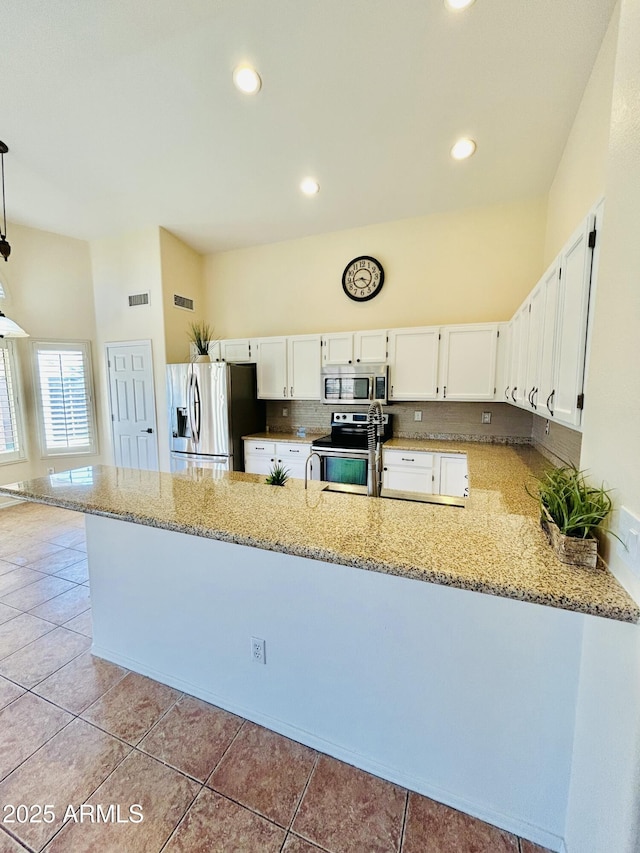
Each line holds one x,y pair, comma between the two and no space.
486,417
285,412
417,416
51,470
258,650
629,531
547,427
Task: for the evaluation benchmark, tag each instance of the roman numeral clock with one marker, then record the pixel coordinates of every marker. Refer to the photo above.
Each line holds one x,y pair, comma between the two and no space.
363,278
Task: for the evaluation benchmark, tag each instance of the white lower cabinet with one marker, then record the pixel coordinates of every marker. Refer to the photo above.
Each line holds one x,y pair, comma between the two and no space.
261,456
408,471
454,479
425,473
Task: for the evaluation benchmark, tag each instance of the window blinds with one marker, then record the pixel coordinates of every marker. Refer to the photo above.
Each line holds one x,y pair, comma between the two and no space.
9,442
65,404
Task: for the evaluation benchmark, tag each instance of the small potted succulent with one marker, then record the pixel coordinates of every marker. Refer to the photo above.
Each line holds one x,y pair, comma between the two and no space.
278,475
570,512
201,335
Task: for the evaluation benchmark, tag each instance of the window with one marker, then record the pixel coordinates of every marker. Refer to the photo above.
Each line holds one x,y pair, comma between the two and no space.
65,397
10,427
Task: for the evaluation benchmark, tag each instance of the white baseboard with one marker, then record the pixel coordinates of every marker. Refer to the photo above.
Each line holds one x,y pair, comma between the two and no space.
420,785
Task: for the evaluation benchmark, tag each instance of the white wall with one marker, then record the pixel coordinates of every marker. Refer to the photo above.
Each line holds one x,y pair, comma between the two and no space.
604,797
466,266
49,283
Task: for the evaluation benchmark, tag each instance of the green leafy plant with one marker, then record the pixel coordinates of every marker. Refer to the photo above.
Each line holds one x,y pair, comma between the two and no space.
278,475
576,507
201,334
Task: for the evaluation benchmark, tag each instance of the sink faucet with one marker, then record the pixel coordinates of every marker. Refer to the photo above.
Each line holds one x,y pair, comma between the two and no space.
306,465
374,424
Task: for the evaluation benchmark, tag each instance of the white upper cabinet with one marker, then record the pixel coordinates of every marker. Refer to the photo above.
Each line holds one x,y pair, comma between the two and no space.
289,368
303,367
502,362
550,283
519,355
572,312
337,348
238,350
413,363
272,369
534,347
370,347
468,362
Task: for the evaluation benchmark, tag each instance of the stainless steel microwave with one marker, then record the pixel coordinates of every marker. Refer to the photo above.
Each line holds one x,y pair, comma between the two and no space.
354,383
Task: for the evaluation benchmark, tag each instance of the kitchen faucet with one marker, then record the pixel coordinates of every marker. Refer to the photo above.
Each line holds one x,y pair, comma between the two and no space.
306,465
375,419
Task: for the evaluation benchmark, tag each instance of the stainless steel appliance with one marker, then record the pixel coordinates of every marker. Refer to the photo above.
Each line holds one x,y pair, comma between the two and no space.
344,455
211,406
350,384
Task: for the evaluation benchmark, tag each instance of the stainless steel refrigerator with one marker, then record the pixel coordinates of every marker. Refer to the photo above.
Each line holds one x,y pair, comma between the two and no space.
211,406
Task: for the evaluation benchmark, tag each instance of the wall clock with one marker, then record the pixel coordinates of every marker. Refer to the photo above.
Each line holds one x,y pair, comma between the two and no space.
363,278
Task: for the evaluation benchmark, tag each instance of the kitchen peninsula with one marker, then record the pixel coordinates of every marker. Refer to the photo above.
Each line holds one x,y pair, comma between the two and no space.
381,648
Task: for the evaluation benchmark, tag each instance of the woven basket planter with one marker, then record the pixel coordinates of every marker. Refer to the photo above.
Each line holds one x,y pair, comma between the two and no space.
569,549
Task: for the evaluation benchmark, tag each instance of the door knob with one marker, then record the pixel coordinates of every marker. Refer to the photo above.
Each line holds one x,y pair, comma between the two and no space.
147,430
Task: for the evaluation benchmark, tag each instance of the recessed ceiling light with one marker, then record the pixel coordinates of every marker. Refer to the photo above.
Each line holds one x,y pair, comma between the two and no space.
457,5
247,79
463,148
310,186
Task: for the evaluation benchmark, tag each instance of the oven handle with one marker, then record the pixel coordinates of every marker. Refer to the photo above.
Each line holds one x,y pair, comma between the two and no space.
341,454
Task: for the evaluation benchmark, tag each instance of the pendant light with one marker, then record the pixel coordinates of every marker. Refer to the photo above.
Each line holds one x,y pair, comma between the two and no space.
8,329
5,248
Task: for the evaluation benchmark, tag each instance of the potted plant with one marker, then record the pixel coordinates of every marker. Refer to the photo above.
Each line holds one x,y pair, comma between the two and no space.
278,475
570,512
201,335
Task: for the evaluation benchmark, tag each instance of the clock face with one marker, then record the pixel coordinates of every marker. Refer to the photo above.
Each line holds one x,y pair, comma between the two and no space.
363,278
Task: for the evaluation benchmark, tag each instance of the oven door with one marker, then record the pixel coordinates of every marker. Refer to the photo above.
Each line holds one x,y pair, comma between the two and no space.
344,470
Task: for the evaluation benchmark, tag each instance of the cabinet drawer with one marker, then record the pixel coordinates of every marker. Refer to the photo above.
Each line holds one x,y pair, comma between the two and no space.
292,451
260,448
407,459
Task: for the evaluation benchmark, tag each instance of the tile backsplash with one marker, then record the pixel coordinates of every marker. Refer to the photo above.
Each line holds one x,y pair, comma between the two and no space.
561,446
439,420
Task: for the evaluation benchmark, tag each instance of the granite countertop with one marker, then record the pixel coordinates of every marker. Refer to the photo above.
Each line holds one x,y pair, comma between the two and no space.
493,545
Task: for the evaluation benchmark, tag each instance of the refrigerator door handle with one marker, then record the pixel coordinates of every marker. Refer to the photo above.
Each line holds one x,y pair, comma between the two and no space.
190,405
196,408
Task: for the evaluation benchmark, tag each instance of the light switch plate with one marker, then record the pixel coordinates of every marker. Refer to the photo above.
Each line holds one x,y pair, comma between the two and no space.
417,416
629,531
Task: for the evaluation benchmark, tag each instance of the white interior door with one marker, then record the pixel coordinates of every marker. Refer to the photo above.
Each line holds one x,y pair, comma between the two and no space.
133,406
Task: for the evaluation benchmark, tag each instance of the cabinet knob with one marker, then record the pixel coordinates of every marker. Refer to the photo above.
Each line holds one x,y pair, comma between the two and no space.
384,469
349,361
284,391
357,359
292,390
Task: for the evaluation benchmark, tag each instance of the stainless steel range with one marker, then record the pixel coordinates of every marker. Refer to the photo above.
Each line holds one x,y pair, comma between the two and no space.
344,456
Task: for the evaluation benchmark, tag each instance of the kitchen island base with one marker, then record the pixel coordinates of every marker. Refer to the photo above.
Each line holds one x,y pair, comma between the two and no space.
461,696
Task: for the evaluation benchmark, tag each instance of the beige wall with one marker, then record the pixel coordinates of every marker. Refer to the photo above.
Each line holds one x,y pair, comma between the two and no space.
50,296
604,801
182,273
467,266
121,266
580,179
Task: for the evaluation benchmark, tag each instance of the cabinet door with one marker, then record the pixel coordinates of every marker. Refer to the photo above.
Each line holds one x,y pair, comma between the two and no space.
258,464
303,361
534,346
544,397
454,479
519,389
272,369
573,307
408,471
370,347
502,363
238,350
413,363
468,357
337,348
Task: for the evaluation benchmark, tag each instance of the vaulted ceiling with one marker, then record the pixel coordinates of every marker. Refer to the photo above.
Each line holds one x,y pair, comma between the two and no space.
123,115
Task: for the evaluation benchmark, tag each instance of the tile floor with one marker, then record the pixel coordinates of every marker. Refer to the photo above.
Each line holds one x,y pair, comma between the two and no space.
77,730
